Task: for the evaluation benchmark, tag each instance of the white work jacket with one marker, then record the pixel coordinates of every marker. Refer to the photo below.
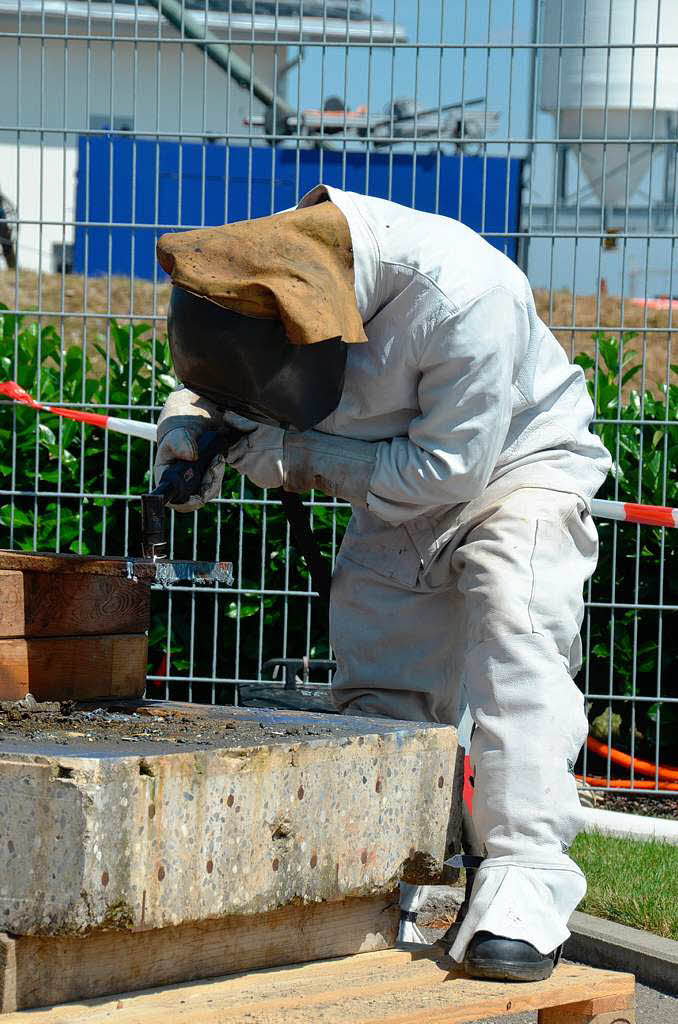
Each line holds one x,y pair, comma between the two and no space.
460,381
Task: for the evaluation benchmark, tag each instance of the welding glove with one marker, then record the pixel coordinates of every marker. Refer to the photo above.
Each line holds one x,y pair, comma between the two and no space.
185,416
298,461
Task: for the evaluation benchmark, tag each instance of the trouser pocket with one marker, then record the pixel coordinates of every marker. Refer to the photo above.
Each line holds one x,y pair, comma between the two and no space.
564,556
383,549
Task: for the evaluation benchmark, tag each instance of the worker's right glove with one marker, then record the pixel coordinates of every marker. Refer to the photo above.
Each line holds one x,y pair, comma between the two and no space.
185,416
269,456
272,457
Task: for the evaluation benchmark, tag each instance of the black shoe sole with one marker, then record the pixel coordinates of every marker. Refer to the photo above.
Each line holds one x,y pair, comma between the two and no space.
498,970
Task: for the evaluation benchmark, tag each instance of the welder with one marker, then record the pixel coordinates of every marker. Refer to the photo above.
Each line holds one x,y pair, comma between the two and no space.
395,359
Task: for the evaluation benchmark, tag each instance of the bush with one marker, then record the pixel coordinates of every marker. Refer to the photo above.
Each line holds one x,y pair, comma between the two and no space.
635,562
83,501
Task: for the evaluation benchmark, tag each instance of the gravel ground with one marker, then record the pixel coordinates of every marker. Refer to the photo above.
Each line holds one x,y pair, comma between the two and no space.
649,806
651,1008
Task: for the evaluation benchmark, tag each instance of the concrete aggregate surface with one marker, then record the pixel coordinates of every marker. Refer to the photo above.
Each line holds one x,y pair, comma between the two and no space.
55,726
255,810
127,727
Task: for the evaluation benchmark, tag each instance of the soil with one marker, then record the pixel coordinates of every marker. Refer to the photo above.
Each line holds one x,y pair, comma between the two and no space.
127,727
573,319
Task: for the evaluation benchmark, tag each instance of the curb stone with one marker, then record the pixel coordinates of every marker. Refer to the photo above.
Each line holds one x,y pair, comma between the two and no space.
630,826
601,943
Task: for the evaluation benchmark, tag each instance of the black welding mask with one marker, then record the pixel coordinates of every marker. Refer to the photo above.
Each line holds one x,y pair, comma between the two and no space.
262,311
247,365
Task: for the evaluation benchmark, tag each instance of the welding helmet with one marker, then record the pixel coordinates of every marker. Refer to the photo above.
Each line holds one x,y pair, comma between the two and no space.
262,311
247,365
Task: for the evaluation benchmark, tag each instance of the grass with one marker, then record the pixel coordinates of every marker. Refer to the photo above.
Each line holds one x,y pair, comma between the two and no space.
631,882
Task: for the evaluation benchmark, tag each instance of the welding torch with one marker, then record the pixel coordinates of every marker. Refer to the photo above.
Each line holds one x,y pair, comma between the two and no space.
179,482
183,478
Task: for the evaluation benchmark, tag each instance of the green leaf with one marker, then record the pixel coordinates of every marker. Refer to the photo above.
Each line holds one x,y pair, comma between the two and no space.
245,612
123,342
46,434
609,351
631,373
20,518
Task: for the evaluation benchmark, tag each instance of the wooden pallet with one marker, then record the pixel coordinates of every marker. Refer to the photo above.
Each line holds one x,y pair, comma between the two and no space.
389,987
38,970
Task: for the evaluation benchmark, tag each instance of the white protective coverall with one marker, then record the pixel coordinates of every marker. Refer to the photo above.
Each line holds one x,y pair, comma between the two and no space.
462,580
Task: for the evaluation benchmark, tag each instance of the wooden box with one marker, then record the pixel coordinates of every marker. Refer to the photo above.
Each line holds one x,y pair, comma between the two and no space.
71,627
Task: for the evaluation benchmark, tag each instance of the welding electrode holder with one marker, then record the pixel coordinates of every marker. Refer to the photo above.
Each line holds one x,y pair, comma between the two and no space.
180,481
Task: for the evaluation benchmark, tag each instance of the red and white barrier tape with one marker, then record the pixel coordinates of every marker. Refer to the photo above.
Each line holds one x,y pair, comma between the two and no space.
134,428
624,511
627,512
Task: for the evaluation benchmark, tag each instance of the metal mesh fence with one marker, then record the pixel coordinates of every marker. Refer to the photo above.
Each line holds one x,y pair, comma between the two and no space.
549,126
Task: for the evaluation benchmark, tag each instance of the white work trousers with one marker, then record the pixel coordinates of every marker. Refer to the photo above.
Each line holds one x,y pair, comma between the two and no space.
483,604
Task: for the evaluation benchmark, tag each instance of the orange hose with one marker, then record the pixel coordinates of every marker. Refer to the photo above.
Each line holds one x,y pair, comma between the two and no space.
597,782
625,761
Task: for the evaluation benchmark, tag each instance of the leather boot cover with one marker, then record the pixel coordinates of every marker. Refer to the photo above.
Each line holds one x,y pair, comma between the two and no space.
247,365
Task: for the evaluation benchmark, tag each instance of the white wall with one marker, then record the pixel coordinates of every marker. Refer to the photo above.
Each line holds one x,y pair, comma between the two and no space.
41,184
161,85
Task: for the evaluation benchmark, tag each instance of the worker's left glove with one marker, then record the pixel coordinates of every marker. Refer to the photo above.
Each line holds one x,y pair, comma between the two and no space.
271,457
185,416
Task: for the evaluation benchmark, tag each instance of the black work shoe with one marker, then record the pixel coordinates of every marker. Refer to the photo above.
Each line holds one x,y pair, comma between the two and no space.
499,959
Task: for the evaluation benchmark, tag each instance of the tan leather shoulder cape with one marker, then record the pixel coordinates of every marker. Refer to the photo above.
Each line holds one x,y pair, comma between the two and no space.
296,267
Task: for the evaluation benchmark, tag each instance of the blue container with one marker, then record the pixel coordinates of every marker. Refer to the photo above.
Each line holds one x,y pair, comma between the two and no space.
131,190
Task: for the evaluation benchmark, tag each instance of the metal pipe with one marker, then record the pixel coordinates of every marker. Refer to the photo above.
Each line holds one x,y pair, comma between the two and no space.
219,53
528,163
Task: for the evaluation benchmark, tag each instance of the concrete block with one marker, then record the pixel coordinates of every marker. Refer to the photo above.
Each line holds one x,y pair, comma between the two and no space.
97,835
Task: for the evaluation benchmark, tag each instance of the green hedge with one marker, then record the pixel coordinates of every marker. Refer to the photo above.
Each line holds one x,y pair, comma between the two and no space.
100,470
631,558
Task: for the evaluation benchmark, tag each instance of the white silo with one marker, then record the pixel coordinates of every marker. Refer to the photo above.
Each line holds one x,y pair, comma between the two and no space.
623,85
